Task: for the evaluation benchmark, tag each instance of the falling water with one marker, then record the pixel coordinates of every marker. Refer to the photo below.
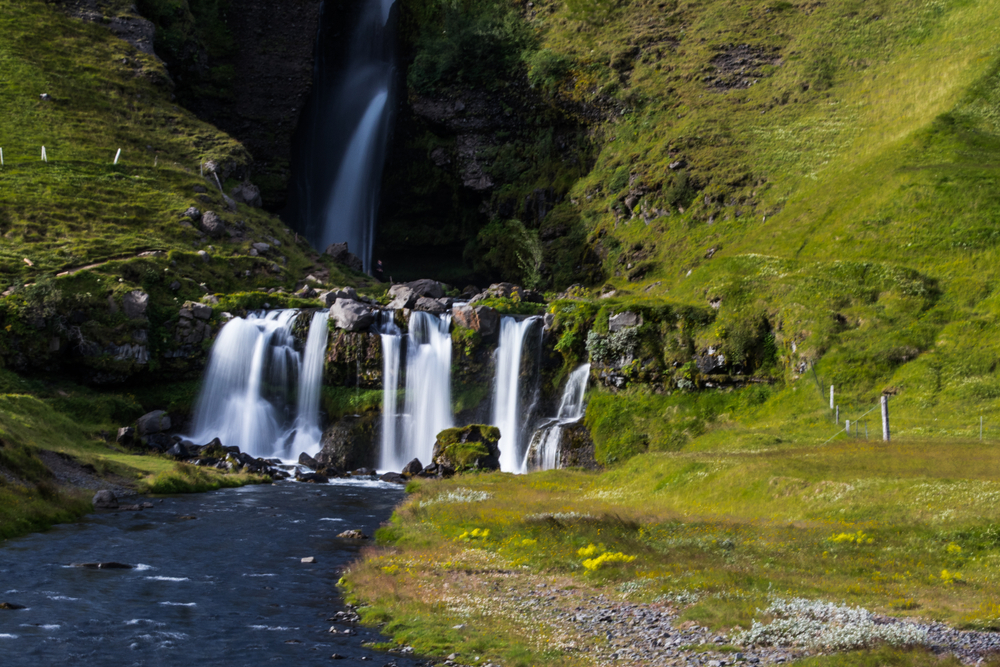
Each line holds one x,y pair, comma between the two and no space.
392,341
507,408
427,406
543,453
308,433
345,132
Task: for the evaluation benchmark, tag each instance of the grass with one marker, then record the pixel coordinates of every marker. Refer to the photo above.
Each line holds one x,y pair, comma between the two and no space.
907,529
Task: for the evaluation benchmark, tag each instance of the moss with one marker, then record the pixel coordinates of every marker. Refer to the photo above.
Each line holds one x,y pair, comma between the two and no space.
463,446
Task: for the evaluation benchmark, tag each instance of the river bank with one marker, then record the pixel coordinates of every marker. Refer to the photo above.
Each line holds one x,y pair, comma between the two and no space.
837,555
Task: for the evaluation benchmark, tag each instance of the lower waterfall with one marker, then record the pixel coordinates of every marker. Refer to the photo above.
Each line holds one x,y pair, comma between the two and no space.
392,342
509,408
543,453
254,376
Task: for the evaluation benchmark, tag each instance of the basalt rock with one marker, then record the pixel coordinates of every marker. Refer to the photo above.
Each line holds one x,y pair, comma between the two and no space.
156,421
351,315
308,461
341,255
105,500
212,224
413,467
472,447
482,319
354,534
348,444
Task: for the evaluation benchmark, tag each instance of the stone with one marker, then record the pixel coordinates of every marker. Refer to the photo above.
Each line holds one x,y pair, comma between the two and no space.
156,421
346,444
105,500
193,309
351,315
309,559
431,289
307,461
179,451
413,467
329,298
341,255
624,320
502,290
483,319
192,213
311,477
204,256
174,286
427,305
161,442
126,436
307,292
403,297
247,193
134,304
212,224
393,478
472,447
353,534
10,606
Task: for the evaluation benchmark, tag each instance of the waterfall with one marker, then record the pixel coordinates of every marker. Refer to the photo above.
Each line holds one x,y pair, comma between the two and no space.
308,433
508,412
342,143
392,341
427,403
543,453
254,374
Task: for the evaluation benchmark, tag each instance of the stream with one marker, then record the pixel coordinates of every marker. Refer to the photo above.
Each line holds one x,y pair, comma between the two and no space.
225,587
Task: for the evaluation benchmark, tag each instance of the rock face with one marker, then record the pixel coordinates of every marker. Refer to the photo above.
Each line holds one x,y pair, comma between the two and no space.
351,315
472,447
430,305
105,500
624,320
482,319
425,287
341,255
156,421
246,193
348,445
576,448
134,304
403,297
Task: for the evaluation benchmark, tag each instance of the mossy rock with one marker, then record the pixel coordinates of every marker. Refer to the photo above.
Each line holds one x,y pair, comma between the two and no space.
472,447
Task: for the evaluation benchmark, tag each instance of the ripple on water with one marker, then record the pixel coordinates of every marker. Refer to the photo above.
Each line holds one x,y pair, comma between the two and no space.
41,627
179,604
143,621
271,628
6,636
63,598
331,519
167,579
260,575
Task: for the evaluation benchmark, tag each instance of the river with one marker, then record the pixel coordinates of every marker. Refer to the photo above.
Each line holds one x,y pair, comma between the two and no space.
227,587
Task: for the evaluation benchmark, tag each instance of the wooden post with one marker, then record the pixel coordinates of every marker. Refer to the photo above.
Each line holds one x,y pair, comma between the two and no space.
885,418
831,397
847,426
837,416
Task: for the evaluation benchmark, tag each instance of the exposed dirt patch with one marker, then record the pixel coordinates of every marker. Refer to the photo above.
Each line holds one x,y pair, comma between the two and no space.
740,67
69,472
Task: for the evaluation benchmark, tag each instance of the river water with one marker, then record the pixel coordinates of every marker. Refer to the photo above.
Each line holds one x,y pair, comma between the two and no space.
225,588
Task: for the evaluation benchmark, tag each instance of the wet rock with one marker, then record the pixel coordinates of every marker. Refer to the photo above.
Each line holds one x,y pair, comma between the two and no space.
483,319
134,304
402,297
212,224
126,436
353,534
104,566
624,320
307,461
425,287
105,500
341,255
311,477
347,444
10,606
179,451
472,447
351,315
433,306
156,421
413,467
309,559
393,478
159,441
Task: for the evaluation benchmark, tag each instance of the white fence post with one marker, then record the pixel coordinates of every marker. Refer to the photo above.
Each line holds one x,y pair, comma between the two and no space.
1,157
118,155
831,397
45,158
885,418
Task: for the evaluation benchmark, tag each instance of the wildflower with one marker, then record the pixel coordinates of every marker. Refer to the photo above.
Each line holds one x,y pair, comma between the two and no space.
528,542
591,550
607,557
949,578
953,549
859,538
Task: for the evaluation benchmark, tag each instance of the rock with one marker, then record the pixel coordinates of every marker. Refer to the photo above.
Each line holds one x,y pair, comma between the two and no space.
347,444
261,248
174,286
311,478
336,656
187,517
363,472
307,461
430,306
45,97
126,436
212,224
470,291
192,214
502,290
156,421
393,478
309,559
413,467
404,297
624,320
104,566
431,289
105,500
351,315
134,304
179,451
307,292
341,255
247,193
483,319
353,534
200,189
10,606
472,447
204,256
161,442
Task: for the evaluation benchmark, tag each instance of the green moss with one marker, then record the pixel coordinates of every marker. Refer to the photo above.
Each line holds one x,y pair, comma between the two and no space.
464,445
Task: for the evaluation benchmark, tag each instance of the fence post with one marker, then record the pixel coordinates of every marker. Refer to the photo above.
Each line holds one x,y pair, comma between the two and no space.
118,155
866,429
847,426
837,416
885,418
980,428
831,397
45,158
1,157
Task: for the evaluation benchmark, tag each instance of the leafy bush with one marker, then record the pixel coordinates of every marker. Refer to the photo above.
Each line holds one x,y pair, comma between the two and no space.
509,250
547,69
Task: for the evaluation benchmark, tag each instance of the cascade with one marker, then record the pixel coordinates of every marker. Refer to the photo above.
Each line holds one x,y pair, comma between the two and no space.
345,130
508,404
253,373
543,453
392,342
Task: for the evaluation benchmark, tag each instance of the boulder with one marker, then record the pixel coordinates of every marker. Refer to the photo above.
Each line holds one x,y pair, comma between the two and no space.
307,461
341,255
247,193
192,214
212,224
403,297
134,304
624,320
435,470
261,248
353,534
161,442
502,290
472,447
307,292
413,467
213,449
10,606
393,478
156,421
351,315
126,436
483,319
105,500
430,306
470,291
431,289
311,478
347,444
179,451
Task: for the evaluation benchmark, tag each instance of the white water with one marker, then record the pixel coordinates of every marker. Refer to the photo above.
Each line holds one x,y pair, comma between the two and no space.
253,373
507,409
543,453
392,342
427,404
